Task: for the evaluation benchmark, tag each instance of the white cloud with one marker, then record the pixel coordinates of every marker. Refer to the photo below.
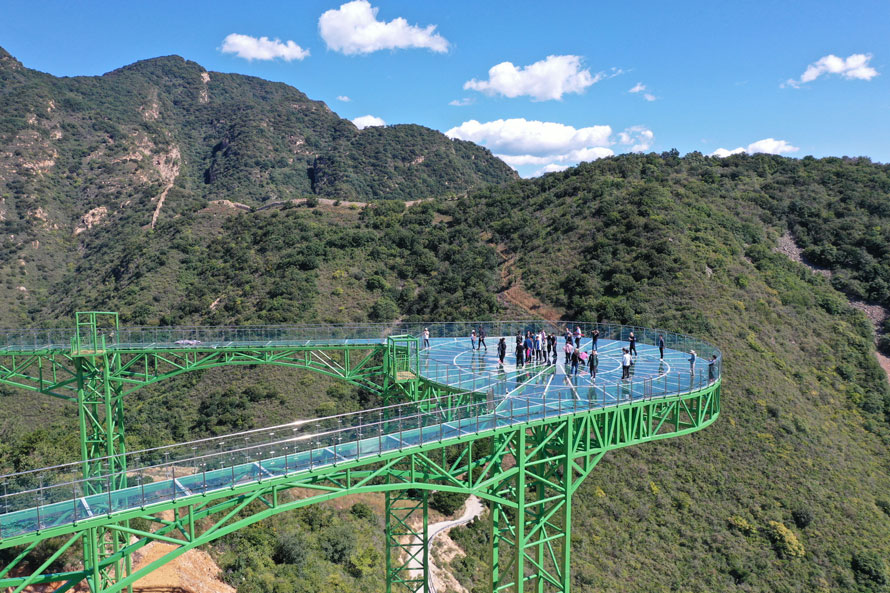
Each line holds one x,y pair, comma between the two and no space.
367,121
639,138
723,152
262,48
526,143
354,29
551,168
461,102
771,146
854,66
572,157
767,145
343,98
547,79
639,88
522,136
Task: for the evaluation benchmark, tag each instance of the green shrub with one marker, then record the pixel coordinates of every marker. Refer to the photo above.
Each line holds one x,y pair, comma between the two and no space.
742,525
870,570
802,517
447,503
383,310
291,548
784,541
361,511
337,543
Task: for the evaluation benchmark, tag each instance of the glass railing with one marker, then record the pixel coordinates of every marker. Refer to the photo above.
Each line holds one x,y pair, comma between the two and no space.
221,336
57,496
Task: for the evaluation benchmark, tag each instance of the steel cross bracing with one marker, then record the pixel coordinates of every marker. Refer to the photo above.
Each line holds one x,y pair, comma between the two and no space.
522,439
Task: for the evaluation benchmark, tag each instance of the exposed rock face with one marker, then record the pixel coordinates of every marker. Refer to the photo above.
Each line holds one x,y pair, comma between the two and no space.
91,219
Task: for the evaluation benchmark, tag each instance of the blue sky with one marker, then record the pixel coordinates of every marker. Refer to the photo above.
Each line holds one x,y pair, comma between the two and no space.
793,78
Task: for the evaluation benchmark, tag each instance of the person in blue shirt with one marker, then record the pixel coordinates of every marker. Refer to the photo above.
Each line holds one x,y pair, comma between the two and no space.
529,346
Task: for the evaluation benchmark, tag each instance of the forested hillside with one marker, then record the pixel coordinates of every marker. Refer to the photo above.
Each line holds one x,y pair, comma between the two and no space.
159,139
788,491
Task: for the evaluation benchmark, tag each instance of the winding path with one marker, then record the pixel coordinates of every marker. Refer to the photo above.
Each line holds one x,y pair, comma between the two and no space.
472,509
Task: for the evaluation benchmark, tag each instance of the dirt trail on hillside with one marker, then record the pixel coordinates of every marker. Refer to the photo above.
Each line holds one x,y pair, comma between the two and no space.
875,313
333,203
512,292
441,581
167,165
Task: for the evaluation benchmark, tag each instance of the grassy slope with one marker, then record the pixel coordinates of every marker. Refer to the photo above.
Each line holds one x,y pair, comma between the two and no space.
803,426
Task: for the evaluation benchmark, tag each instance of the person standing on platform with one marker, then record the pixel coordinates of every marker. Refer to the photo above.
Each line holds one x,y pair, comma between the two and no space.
473,338
632,350
426,337
502,350
660,347
712,369
595,336
576,358
520,359
625,364
692,358
593,362
578,335
482,339
529,346
568,350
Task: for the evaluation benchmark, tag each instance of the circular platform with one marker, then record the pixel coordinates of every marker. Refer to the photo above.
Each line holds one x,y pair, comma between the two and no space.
454,362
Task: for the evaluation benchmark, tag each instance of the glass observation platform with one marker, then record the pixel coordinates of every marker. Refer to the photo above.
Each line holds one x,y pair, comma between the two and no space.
498,395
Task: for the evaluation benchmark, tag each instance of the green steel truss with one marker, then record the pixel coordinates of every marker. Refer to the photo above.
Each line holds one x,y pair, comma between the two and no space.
526,473
407,546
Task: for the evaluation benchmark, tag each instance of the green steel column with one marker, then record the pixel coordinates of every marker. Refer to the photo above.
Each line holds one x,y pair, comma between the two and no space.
541,494
495,546
91,558
519,523
425,540
115,444
82,417
400,510
568,490
387,535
